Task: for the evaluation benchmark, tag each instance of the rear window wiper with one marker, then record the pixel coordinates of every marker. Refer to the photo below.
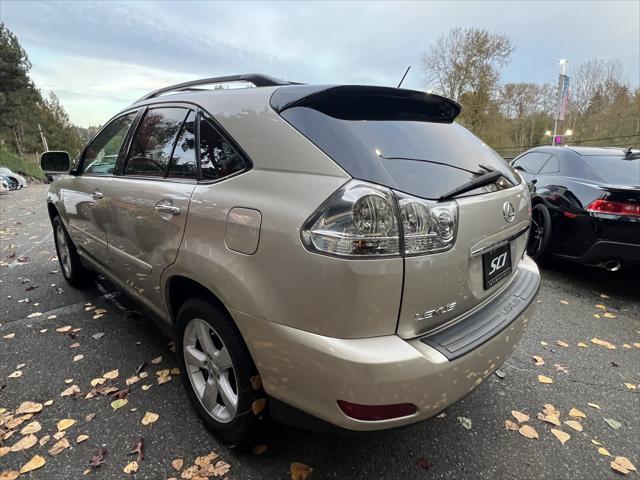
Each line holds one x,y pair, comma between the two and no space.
482,180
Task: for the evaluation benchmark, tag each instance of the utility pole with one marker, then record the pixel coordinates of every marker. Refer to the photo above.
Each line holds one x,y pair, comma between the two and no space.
563,62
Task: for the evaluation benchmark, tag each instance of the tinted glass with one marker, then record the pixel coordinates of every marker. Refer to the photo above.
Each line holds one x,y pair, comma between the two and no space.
615,169
552,166
217,157
421,158
531,162
153,143
183,161
101,155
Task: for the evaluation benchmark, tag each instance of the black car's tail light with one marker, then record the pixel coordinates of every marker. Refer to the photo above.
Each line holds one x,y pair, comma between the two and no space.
614,208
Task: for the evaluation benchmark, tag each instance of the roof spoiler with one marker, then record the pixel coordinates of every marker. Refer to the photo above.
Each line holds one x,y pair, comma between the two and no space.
257,79
358,102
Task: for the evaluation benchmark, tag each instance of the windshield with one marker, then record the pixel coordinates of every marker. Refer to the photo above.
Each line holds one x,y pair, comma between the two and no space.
616,169
424,159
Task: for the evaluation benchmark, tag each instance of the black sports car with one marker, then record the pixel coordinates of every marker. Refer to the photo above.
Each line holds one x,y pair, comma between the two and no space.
585,204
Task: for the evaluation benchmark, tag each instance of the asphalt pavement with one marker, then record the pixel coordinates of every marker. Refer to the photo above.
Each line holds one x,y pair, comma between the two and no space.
35,302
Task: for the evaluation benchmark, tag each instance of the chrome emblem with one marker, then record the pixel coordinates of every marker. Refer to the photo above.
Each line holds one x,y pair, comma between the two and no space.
508,211
436,311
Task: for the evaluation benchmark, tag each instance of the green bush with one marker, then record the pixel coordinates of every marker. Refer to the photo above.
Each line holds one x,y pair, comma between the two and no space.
20,165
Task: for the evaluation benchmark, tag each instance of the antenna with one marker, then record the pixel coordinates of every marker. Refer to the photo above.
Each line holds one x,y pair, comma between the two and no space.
405,74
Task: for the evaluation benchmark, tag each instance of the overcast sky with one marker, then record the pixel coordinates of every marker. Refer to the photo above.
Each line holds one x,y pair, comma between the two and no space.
99,57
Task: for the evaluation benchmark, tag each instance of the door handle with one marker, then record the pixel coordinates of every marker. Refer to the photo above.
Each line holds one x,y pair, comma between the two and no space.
168,209
96,195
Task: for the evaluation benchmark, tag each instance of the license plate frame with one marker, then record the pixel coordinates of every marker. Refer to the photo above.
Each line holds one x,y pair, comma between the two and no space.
496,265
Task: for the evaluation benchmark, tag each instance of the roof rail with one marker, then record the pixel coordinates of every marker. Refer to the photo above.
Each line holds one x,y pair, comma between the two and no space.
258,80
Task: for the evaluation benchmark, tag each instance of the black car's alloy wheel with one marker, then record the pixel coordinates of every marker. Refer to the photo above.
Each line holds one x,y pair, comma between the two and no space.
539,243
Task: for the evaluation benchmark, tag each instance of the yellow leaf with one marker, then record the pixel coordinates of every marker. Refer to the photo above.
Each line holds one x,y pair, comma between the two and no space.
622,465
631,386
162,379
58,447
603,343
131,467
146,387
594,405
583,345
70,391
553,419
28,407
16,374
64,329
519,416
609,315
562,344
511,425
65,423
33,427
544,344
560,435
636,344
9,475
300,471
149,418
595,442
59,435
98,381
33,464
626,345
601,307
604,451
258,405
573,424
24,443
77,358
596,315
539,361
528,431
132,380
121,402
48,403
543,379
177,464
82,438
564,302
574,412
113,374
44,440
4,451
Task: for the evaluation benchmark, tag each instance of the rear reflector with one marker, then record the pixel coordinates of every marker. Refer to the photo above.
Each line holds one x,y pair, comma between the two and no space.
376,412
614,208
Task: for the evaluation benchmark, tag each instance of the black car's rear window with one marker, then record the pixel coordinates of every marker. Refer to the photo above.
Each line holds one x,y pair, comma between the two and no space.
615,169
424,159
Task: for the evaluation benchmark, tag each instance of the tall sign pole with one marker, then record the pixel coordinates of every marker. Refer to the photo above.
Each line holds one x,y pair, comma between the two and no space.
562,100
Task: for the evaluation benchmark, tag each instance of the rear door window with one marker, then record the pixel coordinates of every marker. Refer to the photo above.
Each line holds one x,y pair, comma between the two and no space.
153,142
531,162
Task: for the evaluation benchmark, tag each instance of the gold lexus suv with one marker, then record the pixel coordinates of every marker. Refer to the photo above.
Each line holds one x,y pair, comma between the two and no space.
342,255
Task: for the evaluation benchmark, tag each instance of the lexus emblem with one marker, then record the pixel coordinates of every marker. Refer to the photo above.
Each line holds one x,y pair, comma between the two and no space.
508,211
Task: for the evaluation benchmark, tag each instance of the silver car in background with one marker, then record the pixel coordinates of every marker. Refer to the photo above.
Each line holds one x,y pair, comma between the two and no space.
322,254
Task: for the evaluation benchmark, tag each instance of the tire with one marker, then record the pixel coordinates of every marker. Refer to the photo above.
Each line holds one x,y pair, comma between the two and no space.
539,242
233,419
70,265
13,183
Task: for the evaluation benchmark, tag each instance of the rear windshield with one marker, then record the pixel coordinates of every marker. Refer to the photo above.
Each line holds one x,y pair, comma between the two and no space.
615,169
424,159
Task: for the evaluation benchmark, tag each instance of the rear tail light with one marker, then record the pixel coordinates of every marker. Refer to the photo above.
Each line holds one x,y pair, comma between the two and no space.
376,412
614,208
366,220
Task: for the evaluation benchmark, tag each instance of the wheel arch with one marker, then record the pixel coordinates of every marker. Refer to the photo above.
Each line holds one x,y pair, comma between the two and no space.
180,288
53,211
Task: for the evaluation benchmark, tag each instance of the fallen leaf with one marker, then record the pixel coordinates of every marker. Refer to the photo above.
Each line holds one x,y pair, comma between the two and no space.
583,345
82,438
44,440
4,451
72,390
626,345
132,380
24,443
594,405
256,382
113,374
177,464
138,449
145,387
560,435
500,373
573,424
98,335
599,306
65,423
564,302
156,360
77,358
121,402
16,374
149,418
623,465
74,345
131,467
162,379
258,405
58,447
544,379
519,416
595,442
596,315
121,393
68,381
561,368
465,422
511,425
562,344
29,407
97,459
528,431
544,344
609,315
604,451
59,435
48,402
613,423
9,475
631,386
300,471
539,361
603,343
33,464
604,295
9,336
32,427
553,419
98,381
34,315
89,417
64,329
574,412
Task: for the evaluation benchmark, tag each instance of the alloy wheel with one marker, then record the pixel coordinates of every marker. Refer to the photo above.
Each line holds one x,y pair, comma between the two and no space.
63,250
536,237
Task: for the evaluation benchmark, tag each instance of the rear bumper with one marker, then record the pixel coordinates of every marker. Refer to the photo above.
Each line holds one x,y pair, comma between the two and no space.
310,372
605,250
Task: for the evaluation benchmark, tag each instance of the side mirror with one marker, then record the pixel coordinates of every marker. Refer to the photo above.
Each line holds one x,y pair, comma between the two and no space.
518,167
55,162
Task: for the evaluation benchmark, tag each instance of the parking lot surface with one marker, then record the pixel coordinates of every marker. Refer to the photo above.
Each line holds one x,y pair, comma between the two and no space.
56,336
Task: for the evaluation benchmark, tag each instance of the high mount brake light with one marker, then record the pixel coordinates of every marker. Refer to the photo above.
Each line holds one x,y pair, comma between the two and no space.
366,220
614,208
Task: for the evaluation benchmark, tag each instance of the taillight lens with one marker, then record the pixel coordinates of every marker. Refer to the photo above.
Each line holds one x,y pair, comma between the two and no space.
357,220
614,208
364,220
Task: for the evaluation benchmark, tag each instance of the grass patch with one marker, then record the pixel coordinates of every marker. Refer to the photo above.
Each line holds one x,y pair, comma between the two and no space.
19,165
